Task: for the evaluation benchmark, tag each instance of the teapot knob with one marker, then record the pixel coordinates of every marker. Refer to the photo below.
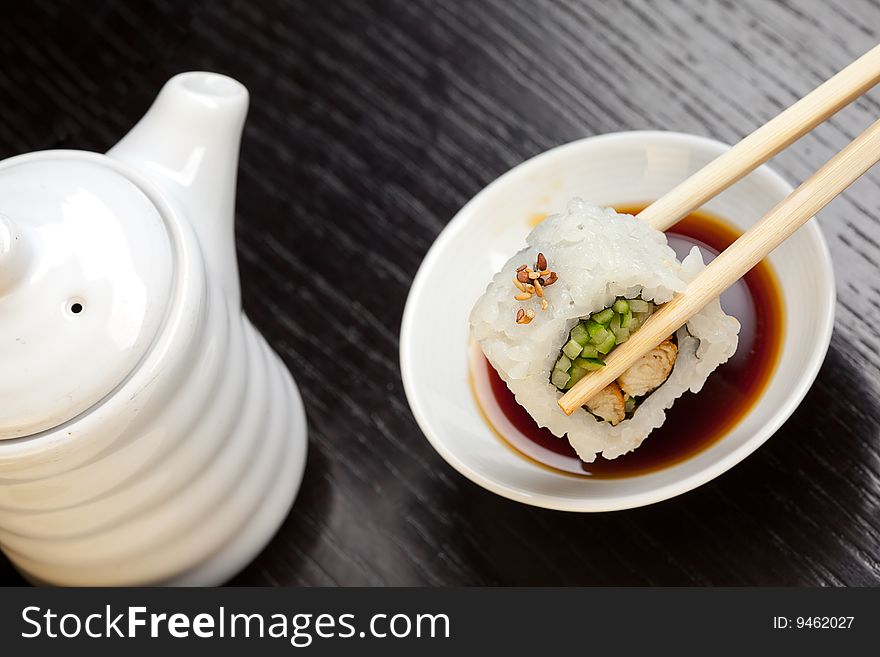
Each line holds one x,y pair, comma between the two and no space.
13,255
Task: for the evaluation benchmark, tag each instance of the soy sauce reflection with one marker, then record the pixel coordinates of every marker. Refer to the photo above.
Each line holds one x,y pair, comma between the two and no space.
696,421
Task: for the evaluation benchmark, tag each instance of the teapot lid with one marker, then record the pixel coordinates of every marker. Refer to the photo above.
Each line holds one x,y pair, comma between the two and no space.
86,274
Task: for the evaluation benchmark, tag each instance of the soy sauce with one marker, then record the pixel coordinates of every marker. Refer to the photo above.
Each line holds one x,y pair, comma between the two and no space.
696,421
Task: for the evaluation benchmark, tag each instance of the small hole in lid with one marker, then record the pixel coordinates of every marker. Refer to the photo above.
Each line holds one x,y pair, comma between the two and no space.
75,306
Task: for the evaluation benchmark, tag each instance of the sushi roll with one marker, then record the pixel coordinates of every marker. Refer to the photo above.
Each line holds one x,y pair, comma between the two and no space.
587,279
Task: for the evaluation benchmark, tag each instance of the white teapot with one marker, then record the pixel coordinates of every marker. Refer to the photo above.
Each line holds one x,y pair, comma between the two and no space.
148,434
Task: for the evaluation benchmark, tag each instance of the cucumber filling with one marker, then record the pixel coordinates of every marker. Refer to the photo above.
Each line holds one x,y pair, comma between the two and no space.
596,336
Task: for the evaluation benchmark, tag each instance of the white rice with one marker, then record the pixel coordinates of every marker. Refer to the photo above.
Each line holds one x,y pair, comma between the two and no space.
598,255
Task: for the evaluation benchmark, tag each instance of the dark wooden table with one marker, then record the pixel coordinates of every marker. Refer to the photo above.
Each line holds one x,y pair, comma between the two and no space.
371,124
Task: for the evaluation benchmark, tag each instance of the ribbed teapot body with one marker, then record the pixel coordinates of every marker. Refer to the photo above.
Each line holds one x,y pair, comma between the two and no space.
181,474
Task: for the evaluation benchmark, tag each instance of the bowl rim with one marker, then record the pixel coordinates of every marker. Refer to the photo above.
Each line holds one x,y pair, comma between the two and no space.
810,371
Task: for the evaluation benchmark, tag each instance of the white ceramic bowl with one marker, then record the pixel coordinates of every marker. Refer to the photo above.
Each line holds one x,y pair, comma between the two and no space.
614,169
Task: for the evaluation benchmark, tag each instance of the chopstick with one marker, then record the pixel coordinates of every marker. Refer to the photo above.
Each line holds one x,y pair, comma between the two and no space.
765,142
771,230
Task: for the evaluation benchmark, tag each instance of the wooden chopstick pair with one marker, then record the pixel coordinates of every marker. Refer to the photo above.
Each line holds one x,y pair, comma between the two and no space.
769,232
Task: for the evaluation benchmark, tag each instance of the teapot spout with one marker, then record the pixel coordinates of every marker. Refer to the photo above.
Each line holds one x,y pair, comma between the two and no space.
188,143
